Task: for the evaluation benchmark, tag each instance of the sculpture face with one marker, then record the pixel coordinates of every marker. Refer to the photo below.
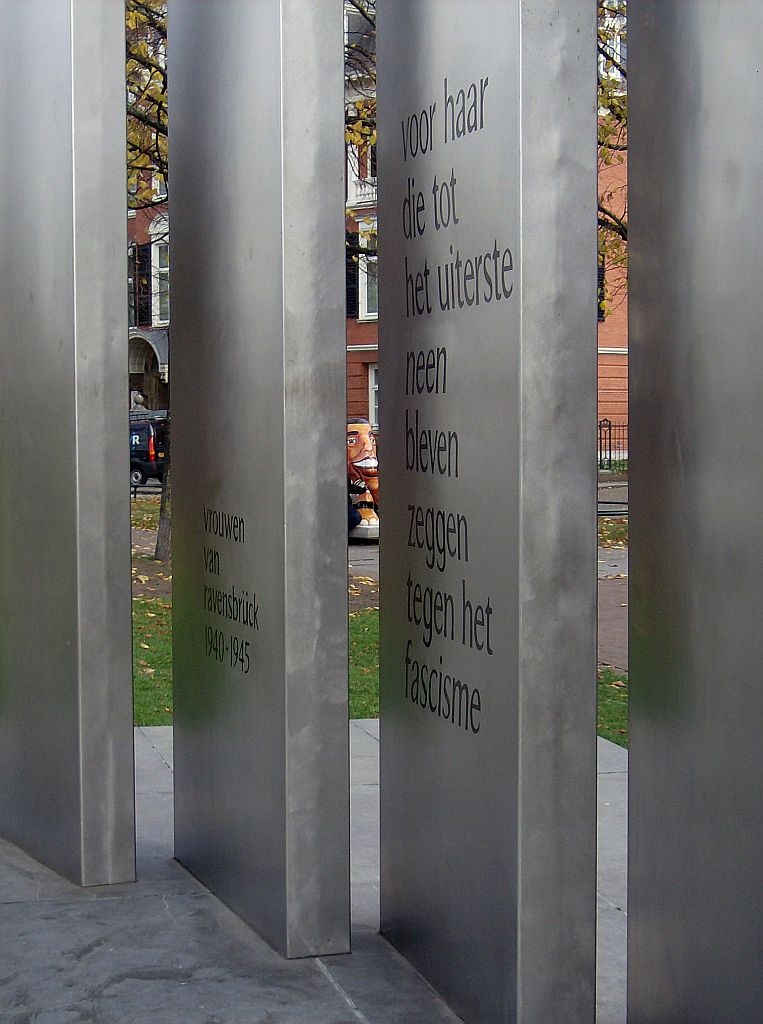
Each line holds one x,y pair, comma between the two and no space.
363,474
362,463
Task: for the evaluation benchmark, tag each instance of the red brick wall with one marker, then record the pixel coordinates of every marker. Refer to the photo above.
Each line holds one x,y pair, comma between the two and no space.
613,387
357,382
362,332
613,331
137,226
358,360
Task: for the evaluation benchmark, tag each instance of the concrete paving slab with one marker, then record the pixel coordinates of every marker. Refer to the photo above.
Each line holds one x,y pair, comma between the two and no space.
165,950
152,773
382,985
613,839
613,622
367,725
611,936
159,737
174,959
610,757
23,880
613,563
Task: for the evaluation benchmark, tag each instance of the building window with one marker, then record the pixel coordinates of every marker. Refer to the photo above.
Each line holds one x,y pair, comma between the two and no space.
373,395
368,287
351,268
132,318
368,276
161,268
361,176
159,232
139,285
613,43
158,186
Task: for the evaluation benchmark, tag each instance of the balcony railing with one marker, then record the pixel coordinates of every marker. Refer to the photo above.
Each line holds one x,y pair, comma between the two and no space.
361,191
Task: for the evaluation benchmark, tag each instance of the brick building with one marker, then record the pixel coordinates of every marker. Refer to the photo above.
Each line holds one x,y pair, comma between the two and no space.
613,329
362,293
362,311
148,296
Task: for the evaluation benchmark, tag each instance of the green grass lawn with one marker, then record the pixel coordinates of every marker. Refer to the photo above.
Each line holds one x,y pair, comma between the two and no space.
612,717
613,532
364,664
152,660
144,513
152,671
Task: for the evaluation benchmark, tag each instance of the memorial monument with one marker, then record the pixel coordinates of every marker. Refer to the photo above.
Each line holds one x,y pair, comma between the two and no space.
66,779
695,904
259,474
488,659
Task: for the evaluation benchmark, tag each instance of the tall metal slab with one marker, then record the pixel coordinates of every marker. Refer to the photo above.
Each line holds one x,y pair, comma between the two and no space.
488,308
695,917
66,780
259,471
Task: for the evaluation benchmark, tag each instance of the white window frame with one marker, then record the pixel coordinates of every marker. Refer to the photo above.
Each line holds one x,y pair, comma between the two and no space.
618,26
373,395
158,186
364,263
159,232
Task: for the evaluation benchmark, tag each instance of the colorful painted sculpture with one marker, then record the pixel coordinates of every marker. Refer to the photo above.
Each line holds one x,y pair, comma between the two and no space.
363,477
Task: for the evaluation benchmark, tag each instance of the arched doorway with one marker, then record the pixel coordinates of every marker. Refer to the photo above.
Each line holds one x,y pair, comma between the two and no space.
147,374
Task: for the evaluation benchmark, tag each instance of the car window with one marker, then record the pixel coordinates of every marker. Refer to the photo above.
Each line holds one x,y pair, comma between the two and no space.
138,436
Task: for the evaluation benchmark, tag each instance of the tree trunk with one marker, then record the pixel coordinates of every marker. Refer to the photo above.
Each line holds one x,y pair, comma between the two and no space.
163,549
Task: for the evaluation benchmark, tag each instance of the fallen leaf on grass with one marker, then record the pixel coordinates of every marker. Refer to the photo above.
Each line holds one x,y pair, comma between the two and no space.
142,579
145,647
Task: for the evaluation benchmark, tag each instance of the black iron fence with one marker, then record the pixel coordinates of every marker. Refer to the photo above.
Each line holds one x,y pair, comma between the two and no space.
613,446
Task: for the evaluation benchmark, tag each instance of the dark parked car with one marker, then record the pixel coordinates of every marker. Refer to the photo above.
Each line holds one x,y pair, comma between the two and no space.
148,448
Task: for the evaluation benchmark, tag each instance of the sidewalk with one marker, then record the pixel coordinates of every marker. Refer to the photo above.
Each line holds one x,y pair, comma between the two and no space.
165,951
613,607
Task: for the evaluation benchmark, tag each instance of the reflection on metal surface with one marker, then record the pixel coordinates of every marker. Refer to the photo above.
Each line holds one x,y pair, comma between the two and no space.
696,703
259,480
66,781
488,299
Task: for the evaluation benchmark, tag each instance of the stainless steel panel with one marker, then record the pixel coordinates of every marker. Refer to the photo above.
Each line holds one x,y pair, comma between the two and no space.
66,786
258,405
696,817
488,827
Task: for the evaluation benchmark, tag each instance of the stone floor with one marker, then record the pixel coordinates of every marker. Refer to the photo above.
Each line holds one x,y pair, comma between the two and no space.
164,950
